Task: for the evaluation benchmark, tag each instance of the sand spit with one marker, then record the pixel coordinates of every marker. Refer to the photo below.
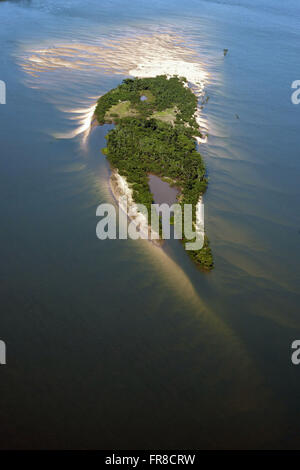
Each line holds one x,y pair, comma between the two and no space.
85,117
123,194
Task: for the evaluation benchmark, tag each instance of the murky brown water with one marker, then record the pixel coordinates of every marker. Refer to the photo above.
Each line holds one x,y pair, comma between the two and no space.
162,191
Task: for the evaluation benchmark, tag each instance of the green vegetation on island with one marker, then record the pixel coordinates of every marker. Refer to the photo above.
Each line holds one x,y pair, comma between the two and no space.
154,131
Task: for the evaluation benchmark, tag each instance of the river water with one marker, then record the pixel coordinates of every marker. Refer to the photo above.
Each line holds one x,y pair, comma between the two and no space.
118,344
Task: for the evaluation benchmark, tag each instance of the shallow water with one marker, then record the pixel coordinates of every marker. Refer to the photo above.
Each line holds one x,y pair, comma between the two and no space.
117,344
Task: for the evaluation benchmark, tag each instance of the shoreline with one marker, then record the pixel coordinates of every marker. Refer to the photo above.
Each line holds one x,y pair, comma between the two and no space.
122,193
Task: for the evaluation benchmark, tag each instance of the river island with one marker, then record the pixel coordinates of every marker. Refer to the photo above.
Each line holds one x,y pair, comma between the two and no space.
155,133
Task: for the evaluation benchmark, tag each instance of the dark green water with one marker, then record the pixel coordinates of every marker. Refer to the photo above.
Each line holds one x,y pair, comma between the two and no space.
114,344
